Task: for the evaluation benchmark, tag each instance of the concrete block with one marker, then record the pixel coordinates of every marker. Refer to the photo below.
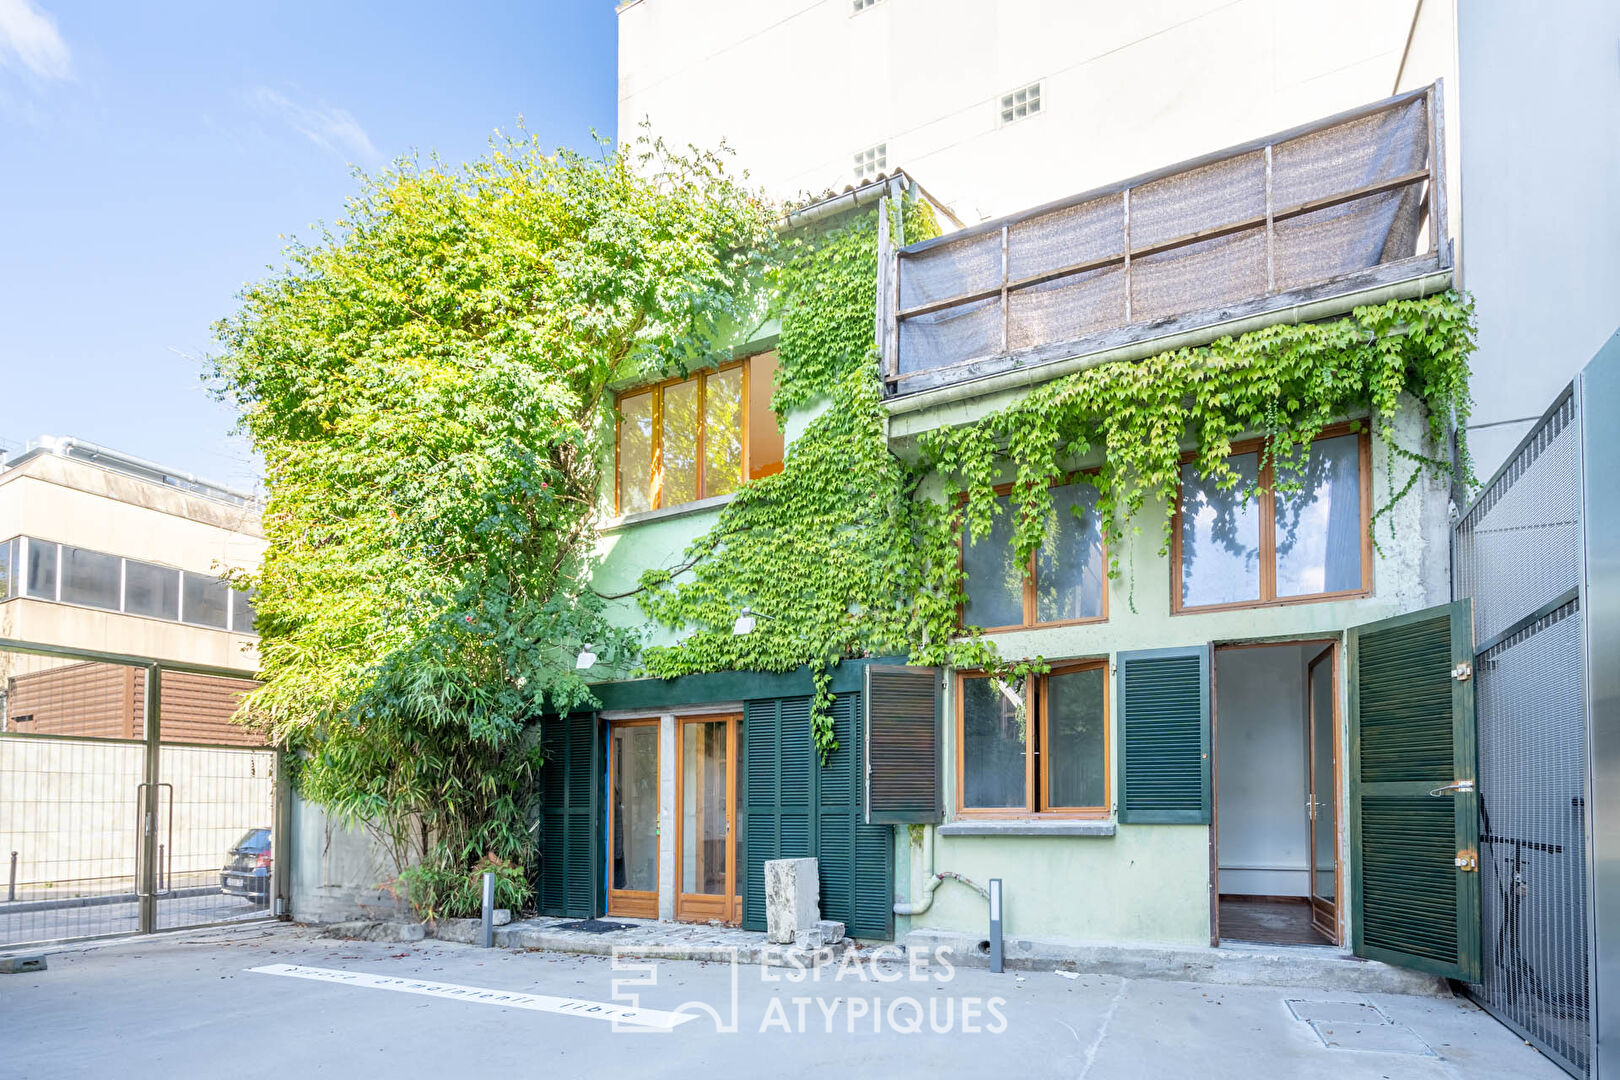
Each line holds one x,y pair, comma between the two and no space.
501,916
21,965
819,936
792,899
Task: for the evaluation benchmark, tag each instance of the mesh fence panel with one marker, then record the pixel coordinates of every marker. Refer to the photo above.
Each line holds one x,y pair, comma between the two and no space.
73,793
1515,555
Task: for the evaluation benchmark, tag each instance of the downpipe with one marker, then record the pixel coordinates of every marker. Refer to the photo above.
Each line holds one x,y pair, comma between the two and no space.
919,904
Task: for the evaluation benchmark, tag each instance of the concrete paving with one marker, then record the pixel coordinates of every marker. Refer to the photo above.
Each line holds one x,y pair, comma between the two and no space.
191,1005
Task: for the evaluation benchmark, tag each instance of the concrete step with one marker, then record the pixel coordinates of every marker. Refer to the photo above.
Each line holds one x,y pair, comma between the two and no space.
1230,965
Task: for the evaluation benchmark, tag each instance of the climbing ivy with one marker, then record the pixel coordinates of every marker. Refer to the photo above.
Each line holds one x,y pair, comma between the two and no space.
845,554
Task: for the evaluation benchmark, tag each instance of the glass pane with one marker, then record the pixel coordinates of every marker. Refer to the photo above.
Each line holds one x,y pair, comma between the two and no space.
1325,828
1075,727
680,443
90,578
635,808
42,569
995,576
722,432
1069,563
1319,528
635,454
704,825
8,569
764,433
206,599
242,610
993,744
151,590
1220,536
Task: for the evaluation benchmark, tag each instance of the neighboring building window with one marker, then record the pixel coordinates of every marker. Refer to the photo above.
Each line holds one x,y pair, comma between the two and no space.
45,570
871,162
1021,103
9,585
858,6
1252,544
91,578
1039,746
42,564
697,438
153,591
1062,582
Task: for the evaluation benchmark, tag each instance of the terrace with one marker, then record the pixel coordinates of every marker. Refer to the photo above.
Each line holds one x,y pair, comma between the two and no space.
1299,226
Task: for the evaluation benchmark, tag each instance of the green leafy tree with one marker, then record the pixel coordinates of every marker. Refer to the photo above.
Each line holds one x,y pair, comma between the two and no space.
427,383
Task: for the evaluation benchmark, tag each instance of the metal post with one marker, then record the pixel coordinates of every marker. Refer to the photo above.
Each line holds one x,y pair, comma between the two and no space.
995,925
487,938
11,889
162,874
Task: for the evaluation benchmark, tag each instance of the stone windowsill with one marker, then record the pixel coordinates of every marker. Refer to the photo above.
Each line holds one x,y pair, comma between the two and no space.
1068,827
713,502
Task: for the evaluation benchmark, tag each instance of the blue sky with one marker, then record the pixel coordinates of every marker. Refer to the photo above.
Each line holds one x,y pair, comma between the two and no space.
153,155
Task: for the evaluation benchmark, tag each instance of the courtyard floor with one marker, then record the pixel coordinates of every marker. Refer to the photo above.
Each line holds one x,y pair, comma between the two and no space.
279,1001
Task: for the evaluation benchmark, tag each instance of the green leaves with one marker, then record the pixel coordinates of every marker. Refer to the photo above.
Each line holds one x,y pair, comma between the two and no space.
427,383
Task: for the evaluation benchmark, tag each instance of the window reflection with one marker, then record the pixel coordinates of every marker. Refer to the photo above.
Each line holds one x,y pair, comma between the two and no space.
1220,535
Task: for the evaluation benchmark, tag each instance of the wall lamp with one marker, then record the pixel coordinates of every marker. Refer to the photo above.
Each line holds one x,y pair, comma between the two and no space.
747,619
587,657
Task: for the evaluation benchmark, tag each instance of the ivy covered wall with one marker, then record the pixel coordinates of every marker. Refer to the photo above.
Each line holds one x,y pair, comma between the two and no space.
852,550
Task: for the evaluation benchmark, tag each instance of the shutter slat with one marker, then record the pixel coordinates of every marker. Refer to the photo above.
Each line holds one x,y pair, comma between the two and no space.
1164,737
902,745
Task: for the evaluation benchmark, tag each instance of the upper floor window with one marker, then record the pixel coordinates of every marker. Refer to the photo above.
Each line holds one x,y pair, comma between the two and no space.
1036,746
871,162
698,437
1062,581
46,570
1021,103
1252,544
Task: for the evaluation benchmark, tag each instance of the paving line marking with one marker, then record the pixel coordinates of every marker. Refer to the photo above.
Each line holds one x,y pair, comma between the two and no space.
511,999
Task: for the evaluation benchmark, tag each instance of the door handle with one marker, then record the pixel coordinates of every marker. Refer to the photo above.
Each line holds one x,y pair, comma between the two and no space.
1456,787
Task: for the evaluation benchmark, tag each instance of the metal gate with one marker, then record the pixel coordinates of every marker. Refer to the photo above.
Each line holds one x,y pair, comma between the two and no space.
129,801
1516,553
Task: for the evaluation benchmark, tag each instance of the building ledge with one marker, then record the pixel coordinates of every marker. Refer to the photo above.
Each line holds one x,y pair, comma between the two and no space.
1028,828
713,502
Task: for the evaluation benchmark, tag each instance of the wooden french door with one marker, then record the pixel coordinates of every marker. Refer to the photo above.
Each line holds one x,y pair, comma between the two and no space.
633,818
706,819
1323,796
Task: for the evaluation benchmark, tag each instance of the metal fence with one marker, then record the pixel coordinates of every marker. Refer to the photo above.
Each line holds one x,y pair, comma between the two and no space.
129,800
1516,553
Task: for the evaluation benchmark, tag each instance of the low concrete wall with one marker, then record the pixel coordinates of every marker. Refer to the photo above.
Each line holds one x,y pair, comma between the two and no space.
338,872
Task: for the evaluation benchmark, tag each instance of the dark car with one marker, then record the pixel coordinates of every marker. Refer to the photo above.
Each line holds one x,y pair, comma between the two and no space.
247,867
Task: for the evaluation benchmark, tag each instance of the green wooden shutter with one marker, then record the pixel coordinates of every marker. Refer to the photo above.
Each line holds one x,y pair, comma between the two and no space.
792,806
902,745
776,802
570,856
1414,839
855,858
1164,736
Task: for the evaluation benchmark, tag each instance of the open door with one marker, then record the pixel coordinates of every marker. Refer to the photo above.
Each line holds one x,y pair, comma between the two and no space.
1322,800
1414,811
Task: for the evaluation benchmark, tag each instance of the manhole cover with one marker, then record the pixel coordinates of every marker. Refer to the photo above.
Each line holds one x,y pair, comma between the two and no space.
1359,1012
594,926
1357,1025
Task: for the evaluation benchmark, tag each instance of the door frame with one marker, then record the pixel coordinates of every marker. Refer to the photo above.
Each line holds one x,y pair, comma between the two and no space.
1216,648
1336,794
632,903
702,907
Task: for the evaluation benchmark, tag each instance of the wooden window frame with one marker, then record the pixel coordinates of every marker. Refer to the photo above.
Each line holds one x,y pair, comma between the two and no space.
656,456
1037,781
631,903
701,907
1266,503
1031,599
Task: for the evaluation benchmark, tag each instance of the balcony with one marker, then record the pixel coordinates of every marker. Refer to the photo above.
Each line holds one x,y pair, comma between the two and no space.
1302,225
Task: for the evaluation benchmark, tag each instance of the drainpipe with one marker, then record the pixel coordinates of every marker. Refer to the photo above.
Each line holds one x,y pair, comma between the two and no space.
917,905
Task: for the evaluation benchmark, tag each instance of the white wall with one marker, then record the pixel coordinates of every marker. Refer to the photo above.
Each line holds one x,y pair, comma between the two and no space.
1539,92
1263,837
797,88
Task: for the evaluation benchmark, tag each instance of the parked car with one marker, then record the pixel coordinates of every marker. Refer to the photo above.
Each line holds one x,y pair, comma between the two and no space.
247,867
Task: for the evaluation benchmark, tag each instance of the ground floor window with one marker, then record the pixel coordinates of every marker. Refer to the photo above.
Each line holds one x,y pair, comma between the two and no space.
1034,746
